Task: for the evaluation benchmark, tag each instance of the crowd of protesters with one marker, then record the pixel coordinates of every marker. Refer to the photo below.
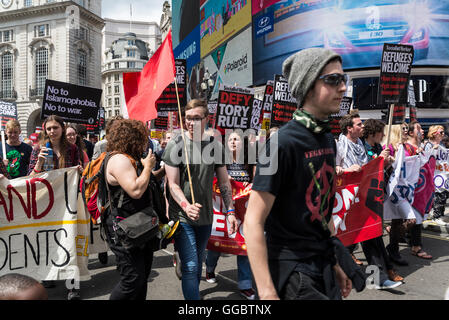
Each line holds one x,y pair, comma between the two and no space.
293,252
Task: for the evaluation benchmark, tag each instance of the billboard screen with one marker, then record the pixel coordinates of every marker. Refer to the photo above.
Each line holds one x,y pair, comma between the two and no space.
355,29
221,20
185,17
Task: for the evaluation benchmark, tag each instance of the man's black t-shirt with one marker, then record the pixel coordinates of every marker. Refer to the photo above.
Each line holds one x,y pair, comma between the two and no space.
302,182
18,159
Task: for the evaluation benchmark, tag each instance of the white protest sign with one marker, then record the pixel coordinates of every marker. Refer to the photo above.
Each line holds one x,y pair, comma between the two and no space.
441,176
44,229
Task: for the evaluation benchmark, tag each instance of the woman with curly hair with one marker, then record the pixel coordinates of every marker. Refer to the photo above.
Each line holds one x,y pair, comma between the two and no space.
128,177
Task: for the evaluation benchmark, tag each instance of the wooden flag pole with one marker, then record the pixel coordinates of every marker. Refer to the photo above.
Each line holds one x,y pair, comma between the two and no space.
390,121
184,141
3,139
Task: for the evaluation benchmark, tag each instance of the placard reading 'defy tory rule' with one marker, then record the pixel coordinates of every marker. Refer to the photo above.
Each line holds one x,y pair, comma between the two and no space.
71,102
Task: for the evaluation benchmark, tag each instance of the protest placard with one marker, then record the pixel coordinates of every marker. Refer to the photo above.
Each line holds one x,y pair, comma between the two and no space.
284,104
395,68
8,111
220,239
44,229
345,106
71,102
441,175
256,118
212,107
161,122
167,100
234,107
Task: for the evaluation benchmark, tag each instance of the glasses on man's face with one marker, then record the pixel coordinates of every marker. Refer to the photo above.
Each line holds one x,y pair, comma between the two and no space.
194,119
334,79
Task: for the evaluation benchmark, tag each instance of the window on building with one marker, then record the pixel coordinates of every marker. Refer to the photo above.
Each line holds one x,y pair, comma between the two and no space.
7,75
82,67
131,64
116,65
116,77
109,90
41,69
6,36
117,112
131,53
109,113
116,101
28,3
109,102
49,1
131,42
42,30
82,33
116,89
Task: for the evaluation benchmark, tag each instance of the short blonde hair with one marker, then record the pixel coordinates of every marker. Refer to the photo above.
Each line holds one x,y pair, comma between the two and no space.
13,124
433,130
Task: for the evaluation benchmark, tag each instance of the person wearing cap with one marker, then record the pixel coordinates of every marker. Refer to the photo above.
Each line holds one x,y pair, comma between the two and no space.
298,257
17,153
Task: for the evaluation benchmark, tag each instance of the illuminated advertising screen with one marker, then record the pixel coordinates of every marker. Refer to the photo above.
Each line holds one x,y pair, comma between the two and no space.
185,17
220,20
355,29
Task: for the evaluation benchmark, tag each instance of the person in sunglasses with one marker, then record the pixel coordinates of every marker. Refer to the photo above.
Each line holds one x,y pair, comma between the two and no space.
298,258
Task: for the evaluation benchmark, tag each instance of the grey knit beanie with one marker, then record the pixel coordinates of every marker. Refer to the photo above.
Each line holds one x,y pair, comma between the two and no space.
303,68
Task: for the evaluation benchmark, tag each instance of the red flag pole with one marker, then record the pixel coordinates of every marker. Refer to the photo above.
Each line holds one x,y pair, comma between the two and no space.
184,141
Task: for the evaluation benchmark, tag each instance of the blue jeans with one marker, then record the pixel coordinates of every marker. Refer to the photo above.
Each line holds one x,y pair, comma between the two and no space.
245,280
191,244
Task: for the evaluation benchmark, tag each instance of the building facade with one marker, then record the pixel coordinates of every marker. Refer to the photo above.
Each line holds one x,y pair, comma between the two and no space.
47,39
124,51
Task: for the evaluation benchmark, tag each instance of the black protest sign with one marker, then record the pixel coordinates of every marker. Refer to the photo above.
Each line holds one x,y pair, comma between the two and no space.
234,109
345,106
395,71
256,119
268,97
72,103
8,111
212,107
283,102
167,100
161,122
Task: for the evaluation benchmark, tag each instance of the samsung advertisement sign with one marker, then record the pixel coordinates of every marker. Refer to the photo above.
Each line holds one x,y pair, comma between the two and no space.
189,49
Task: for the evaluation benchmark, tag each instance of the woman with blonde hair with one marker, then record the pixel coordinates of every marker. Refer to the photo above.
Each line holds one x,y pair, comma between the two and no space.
435,135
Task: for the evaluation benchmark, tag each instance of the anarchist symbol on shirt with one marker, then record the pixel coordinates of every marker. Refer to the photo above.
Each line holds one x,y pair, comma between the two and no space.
13,167
319,192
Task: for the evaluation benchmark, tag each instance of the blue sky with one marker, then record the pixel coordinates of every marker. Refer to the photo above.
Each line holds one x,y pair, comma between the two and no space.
143,10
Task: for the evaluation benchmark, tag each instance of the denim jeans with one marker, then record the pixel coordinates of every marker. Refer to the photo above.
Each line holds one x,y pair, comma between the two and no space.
300,286
243,268
191,243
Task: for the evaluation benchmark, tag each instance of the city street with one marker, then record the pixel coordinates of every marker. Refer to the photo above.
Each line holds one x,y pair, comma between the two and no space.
424,280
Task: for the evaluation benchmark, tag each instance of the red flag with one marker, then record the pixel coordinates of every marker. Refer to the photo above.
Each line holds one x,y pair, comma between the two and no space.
142,89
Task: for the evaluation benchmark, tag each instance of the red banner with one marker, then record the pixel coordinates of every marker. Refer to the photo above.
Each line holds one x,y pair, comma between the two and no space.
358,206
220,239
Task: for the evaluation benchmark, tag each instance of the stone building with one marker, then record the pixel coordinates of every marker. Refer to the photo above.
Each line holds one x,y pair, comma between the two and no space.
47,39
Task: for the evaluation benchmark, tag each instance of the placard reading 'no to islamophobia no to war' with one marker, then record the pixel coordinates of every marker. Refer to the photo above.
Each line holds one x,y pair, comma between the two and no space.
73,103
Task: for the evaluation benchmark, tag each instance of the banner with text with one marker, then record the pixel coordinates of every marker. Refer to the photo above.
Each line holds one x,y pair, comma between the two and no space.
284,104
234,107
220,239
441,175
256,119
358,208
72,103
44,229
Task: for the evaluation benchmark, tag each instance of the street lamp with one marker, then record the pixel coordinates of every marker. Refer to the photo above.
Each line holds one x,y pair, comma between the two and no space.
207,84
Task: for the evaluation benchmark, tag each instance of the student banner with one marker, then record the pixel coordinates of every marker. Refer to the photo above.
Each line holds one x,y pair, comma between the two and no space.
358,209
220,239
44,229
234,107
72,103
425,188
8,111
284,104
441,175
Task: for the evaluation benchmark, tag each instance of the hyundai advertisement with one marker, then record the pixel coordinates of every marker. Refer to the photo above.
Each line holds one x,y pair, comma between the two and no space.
355,29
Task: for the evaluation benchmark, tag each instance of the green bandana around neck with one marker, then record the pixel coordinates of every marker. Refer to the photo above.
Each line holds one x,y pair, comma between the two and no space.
308,121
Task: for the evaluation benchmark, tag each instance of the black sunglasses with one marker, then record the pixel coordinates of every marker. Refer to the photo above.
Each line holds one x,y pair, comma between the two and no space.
334,79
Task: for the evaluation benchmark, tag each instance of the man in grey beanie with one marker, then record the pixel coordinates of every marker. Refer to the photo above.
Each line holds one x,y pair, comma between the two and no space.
298,258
